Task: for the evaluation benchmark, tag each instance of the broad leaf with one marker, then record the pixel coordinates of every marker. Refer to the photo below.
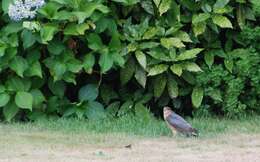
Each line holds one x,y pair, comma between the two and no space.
19,65
209,58
47,32
158,69
88,92
229,64
89,62
10,111
173,89
193,67
4,99
202,17
172,42
141,58
176,69
197,96
38,97
222,21
189,54
159,85
105,62
165,5
24,100
140,76
127,72
95,111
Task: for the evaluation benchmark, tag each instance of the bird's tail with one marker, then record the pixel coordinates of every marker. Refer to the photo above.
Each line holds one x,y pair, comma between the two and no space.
194,132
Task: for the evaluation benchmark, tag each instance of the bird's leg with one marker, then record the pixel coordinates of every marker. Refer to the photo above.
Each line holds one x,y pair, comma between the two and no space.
174,132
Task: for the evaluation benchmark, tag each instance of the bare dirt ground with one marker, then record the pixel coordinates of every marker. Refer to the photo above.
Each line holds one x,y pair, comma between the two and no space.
16,146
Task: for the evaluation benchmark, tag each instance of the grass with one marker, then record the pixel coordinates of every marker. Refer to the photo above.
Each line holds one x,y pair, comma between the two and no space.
83,140
138,126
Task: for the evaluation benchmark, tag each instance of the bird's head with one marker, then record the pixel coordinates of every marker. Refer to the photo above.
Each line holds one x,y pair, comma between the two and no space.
167,111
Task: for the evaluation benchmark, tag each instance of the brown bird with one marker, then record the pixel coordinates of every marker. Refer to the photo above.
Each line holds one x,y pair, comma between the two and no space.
177,123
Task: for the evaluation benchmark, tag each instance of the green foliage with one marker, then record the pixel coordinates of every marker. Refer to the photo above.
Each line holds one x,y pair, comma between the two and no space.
234,94
94,59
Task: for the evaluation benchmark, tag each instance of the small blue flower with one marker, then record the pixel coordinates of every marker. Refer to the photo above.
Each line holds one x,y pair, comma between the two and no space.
24,9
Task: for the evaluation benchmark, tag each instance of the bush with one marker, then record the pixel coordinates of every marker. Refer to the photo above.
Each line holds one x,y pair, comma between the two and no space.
78,56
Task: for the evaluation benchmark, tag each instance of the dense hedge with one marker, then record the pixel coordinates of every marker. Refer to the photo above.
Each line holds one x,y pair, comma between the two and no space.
98,58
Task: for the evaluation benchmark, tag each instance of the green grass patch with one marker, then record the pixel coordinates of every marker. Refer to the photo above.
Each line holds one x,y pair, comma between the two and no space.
132,125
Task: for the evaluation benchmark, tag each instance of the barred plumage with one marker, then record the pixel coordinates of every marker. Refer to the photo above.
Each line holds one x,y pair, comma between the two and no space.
177,123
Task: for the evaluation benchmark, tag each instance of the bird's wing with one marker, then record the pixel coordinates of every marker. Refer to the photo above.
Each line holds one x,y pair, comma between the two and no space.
178,123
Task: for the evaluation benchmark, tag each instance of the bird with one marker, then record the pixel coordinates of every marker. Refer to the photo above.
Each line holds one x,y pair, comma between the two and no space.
177,124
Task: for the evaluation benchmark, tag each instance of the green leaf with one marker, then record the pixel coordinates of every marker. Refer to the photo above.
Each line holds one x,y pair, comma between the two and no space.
193,67
141,58
197,96
81,16
158,54
148,45
183,36
88,92
127,2
28,39
113,108
24,100
105,62
127,72
56,47
57,88
173,88
165,5
216,95
76,29
35,70
32,25
4,99
50,10
222,21
189,77
5,5
59,70
148,6
118,59
189,54
158,69
140,76
10,111
126,108
199,28
209,58
38,97
107,93
202,17
172,42
95,111
17,84
74,65
159,85
157,2
220,4
143,112
94,42
47,32
89,62
2,88
19,65
229,64
176,69
150,33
